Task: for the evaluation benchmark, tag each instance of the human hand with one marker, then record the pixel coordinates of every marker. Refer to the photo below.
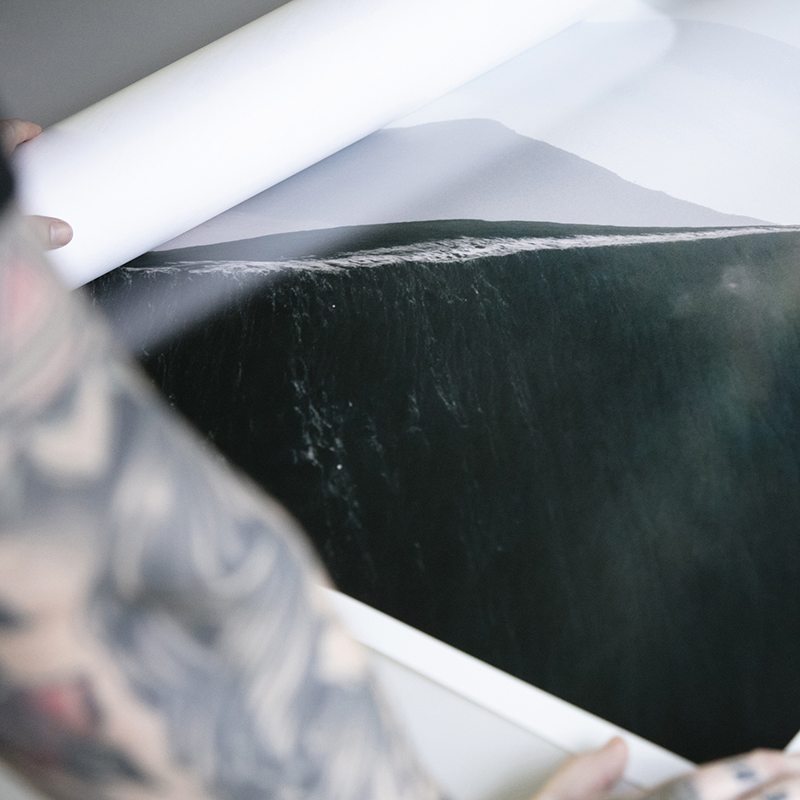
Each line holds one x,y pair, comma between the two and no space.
759,775
50,232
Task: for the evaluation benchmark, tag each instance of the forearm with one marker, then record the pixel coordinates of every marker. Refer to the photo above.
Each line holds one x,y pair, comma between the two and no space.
161,633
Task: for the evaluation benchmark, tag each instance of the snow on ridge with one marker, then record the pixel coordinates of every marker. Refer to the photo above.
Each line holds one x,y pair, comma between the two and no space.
461,249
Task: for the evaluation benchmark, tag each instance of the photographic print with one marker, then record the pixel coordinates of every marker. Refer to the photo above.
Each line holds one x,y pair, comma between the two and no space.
524,365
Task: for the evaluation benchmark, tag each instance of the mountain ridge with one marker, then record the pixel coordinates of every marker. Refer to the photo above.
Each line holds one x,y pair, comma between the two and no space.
457,169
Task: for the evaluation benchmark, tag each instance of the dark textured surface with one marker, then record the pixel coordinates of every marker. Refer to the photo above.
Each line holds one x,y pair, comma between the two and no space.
579,465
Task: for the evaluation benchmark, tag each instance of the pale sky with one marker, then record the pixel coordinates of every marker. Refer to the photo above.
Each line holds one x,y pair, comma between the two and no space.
708,113
779,19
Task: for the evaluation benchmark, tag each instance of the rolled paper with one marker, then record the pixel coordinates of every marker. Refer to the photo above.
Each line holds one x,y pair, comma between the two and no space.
255,107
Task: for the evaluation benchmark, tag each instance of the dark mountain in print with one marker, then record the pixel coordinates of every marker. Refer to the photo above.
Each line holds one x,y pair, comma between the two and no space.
572,452
463,169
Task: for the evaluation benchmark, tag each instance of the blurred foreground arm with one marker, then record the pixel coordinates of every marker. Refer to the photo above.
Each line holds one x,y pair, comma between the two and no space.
161,630
162,634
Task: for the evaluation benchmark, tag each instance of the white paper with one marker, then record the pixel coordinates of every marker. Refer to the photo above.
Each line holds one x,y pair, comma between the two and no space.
257,106
532,709
268,101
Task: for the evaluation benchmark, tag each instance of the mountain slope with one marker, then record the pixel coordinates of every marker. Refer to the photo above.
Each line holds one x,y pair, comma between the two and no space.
457,169
705,112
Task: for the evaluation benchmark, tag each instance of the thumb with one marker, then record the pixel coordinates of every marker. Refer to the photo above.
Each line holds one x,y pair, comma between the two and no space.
49,232
588,775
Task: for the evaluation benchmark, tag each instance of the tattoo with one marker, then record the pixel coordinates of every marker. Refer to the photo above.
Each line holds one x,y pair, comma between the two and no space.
56,726
185,606
776,796
744,772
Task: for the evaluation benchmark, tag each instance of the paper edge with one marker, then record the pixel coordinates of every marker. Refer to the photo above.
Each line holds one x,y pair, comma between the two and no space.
563,724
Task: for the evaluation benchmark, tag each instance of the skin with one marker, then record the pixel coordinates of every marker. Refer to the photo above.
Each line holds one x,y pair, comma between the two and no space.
164,634
759,775
50,232
162,631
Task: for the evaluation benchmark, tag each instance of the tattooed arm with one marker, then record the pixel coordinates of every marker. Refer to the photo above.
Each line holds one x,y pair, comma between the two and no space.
161,630
162,634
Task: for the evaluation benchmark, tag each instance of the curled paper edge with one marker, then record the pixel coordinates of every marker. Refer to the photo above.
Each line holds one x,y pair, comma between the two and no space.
254,108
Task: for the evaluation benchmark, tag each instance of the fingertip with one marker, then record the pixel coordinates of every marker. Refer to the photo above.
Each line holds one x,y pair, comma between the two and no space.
616,753
30,130
49,232
609,764
14,132
590,774
60,233
617,743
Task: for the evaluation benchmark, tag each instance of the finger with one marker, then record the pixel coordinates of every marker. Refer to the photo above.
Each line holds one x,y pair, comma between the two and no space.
49,232
787,787
735,777
680,789
746,777
589,774
731,779
14,132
